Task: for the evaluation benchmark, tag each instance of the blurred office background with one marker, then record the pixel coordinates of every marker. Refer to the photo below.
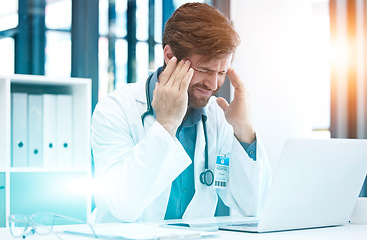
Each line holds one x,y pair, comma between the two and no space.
303,62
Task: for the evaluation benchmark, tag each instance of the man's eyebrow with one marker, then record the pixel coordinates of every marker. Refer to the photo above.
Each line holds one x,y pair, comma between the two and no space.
203,68
208,69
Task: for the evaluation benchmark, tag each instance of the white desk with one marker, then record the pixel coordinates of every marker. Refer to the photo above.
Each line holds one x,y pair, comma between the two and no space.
347,232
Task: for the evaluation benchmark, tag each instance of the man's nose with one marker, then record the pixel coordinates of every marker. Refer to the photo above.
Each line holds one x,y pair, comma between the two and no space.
211,81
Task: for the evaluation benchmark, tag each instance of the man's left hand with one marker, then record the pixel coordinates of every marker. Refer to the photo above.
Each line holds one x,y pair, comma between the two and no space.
238,112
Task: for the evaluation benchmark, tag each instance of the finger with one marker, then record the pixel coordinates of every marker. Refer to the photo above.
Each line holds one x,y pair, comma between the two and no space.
170,68
155,89
176,74
223,104
235,80
184,84
181,74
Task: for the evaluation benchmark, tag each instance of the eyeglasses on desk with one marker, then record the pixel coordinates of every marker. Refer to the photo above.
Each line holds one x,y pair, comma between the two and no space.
39,223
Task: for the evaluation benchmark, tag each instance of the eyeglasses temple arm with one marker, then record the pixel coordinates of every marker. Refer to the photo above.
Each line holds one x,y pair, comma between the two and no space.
78,220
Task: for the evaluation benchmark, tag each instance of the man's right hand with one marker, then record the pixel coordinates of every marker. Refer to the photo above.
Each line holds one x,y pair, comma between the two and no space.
170,94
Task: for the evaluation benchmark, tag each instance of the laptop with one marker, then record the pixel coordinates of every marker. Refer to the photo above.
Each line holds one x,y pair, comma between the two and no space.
316,184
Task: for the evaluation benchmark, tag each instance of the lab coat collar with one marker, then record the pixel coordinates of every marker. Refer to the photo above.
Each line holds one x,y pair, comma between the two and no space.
152,85
140,90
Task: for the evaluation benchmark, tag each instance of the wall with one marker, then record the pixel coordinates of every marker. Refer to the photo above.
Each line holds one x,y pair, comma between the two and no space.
273,61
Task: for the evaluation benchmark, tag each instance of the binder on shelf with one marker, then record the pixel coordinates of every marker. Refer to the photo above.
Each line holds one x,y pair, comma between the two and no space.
64,117
49,130
2,200
19,130
35,130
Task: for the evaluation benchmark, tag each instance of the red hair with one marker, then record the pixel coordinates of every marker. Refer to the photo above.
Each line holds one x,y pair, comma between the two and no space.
197,28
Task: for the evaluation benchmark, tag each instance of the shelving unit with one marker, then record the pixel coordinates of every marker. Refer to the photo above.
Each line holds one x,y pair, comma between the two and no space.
27,190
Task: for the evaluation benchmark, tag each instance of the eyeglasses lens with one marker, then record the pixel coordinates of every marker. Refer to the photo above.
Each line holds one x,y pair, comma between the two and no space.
43,223
18,224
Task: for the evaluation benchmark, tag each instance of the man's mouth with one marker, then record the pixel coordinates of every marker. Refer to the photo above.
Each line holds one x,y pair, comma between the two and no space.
204,92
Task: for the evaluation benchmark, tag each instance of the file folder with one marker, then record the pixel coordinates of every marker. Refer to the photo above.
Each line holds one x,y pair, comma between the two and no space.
64,117
49,130
19,130
35,130
2,200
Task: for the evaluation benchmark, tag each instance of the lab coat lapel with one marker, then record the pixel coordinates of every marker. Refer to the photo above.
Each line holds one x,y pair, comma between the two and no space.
204,201
212,139
139,92
199,156
158,207
200,146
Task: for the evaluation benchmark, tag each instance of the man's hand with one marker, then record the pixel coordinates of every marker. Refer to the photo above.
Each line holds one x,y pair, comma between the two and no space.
238,112
170,94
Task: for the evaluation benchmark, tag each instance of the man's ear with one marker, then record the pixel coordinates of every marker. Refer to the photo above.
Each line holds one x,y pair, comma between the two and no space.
168,54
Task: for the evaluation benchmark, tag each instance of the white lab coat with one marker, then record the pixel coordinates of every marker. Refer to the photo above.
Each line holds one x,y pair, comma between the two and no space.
136,164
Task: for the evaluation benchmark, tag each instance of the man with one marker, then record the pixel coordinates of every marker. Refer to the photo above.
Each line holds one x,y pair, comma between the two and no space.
166,148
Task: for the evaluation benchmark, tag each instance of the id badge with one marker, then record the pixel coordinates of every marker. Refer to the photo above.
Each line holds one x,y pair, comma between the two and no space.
221,175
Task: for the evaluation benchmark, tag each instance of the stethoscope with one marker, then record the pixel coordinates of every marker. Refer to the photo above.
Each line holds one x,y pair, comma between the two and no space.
207,176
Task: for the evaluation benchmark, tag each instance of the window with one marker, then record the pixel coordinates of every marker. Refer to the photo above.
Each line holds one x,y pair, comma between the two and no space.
7,52
130,42
320,76
130,32
8,23
9,15
58,38
129,39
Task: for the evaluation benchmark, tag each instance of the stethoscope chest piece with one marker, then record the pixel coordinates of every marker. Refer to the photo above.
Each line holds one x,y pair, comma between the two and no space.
207,177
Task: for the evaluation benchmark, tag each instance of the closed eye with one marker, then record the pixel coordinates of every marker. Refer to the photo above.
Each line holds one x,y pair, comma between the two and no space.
222,73
205,70
202,70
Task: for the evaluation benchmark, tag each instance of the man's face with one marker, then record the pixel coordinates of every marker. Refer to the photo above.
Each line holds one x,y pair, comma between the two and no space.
208,78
